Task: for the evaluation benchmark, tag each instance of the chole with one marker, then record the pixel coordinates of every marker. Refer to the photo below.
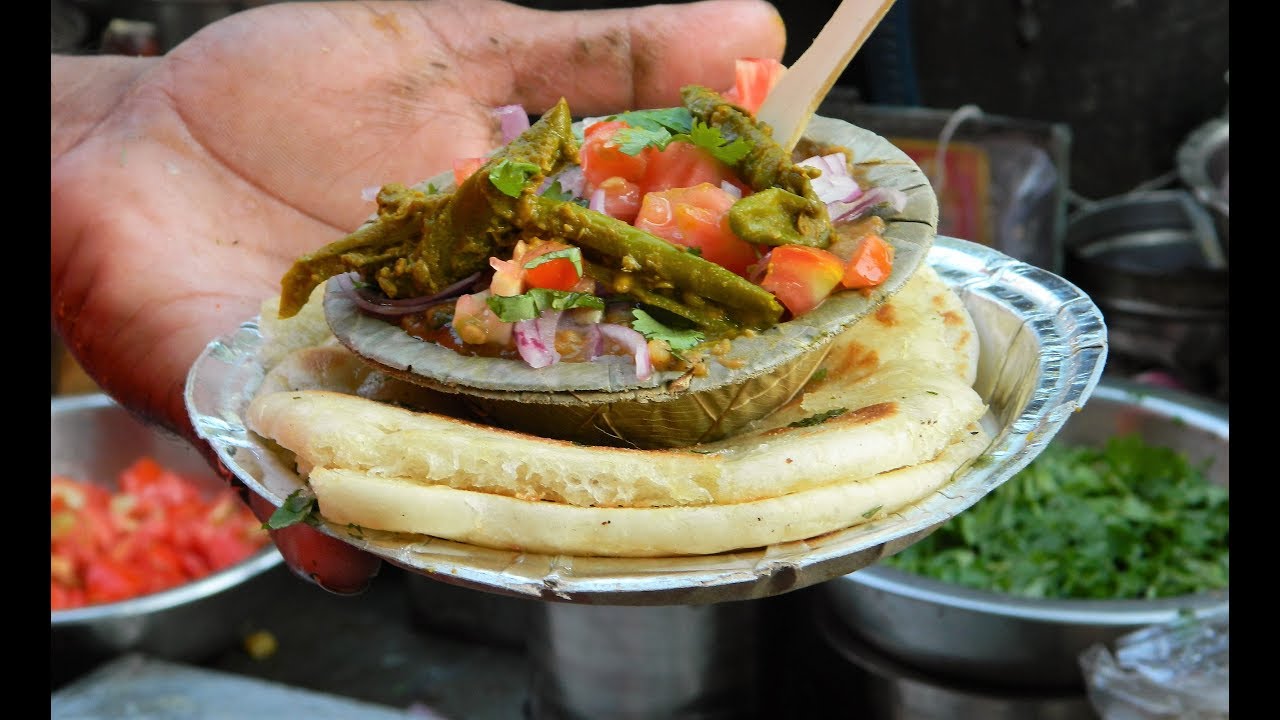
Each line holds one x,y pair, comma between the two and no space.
887,419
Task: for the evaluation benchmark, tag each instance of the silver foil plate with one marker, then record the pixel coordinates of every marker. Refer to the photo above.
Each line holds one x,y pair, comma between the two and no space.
1043,344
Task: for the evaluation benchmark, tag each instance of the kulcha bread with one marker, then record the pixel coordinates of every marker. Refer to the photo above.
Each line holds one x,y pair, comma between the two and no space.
886,421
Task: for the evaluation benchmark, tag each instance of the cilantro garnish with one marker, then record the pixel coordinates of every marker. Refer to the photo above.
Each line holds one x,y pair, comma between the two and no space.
573,255
295,509
633,140
527,306
726,151
819,418
556,191
1127,520
675,120
679,340
511,176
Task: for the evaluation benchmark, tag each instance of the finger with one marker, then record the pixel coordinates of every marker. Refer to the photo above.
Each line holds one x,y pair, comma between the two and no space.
606,60
318,558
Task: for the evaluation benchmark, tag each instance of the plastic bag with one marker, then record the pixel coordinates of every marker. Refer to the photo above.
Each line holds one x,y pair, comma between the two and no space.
1177,670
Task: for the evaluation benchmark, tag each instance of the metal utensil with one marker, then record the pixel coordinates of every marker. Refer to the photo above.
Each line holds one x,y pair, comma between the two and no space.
803,86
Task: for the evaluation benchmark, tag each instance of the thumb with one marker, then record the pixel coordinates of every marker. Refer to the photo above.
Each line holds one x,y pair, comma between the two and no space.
609,60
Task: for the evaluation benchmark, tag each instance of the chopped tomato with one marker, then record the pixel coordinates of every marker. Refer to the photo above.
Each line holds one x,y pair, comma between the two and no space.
621,198
156,532
557,274
870,264
601,158
753,78
801,277
464,168
683,164
697,217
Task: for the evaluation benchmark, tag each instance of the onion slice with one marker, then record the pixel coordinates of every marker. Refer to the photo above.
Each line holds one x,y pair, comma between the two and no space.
634,343
514,121
381,305
536,339
835,184
893,197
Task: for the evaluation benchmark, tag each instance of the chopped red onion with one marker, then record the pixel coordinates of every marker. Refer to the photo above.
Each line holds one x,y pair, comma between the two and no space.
536,339
571,181
732,189
380,305
634,343
514,121
597,200
835,184
867,200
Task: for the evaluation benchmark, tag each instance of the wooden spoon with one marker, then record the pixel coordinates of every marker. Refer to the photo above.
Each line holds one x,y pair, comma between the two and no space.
803,86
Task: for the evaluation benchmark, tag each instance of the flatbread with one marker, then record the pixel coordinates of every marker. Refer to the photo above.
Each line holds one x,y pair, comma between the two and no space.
396,504
894,416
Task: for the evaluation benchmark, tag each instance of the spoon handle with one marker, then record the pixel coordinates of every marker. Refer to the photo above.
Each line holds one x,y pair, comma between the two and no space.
802,87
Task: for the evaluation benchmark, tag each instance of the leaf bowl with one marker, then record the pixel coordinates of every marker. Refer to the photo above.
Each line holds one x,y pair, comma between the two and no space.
603,402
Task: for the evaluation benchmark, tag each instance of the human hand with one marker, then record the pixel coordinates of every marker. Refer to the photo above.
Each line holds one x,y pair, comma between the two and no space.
182,187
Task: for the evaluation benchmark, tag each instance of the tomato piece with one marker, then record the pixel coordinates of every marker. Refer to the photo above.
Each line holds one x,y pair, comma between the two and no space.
111,581
697,217
682,164
157,532
601,158
464,168
621,198
557,274
753,78
801,277
870,263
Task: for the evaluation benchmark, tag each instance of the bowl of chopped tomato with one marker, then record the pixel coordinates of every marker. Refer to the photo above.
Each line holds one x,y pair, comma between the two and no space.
149,550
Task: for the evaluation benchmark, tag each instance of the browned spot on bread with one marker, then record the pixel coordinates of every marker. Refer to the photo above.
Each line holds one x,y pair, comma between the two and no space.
861,416
952,317
939,300
854,358
868,414
886,315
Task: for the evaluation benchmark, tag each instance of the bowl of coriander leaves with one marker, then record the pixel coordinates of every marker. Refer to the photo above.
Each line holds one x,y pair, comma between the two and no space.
1120,523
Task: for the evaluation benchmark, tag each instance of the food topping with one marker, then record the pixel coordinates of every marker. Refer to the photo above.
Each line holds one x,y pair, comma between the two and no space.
689,218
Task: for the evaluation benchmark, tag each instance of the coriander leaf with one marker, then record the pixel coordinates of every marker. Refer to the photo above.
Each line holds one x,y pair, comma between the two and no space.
675,119
527,306
295,509
679,340
1126,520
710,138
556,191
633,141
510,176
573,255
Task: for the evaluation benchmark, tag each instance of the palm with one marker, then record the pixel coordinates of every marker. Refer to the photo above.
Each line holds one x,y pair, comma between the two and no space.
252,142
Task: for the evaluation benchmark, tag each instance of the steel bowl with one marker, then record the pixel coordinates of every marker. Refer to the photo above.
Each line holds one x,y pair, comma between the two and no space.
996,639
92,439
